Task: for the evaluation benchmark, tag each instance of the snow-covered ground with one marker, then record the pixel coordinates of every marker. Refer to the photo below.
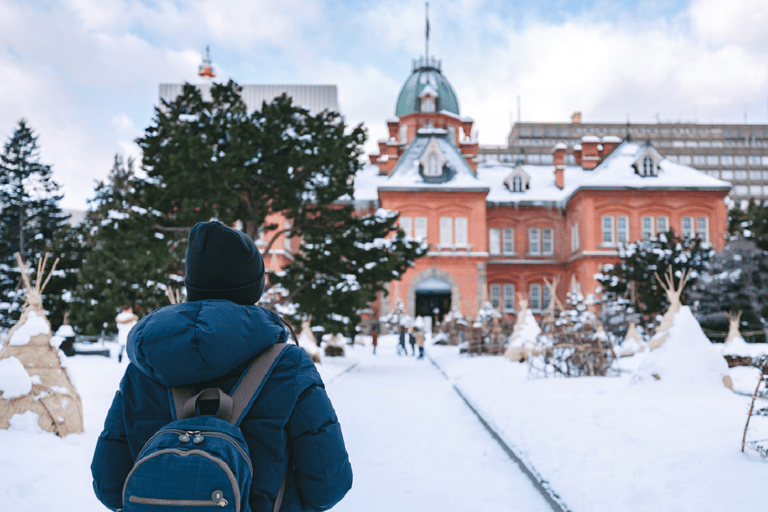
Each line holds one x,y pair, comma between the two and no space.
604,444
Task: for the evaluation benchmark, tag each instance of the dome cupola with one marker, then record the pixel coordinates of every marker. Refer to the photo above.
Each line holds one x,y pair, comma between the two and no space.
426,78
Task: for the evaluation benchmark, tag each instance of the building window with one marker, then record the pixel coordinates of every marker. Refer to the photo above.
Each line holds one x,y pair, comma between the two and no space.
547,243
495,295
713,160
702,228
622,229
662,224
509,297
649,167
687,227
428,105
461,231
534,243
287,236
547,298
535,296
420,228
406,224
494,241
517,184
608,230
509,241
452,134
446,231
575,237
647,227
403,133
432,166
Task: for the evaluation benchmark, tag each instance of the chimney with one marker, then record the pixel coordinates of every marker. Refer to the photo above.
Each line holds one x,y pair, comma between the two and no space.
577,154
590,154
576,118
558,156
609,144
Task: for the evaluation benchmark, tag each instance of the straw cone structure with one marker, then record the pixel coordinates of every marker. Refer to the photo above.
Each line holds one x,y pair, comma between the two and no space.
52,396
673,296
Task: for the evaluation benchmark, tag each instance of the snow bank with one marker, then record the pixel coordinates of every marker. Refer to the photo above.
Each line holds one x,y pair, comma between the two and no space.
27,422
736,347
32,327
687,358
14,379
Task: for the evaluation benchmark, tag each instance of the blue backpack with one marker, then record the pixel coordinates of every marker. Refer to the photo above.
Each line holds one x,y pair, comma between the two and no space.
201,461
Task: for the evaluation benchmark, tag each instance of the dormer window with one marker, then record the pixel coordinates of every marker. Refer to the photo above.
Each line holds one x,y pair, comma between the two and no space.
432,168
433,161
647,162
518,180
428,105
428,125
649,166
428,99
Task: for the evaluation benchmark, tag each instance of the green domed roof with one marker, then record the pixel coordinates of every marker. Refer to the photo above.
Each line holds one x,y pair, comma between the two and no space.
426,73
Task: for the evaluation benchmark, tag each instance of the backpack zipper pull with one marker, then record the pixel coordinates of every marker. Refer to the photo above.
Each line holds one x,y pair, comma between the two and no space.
218,498
184,438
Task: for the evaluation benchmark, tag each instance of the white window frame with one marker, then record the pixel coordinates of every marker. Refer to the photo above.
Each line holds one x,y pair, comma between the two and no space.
646,227
420,228
446,231
535,297
495,296
546,297
508,296
662,224
461,234
286,237
494,241
686,227
508,241
575,237
433,166
607,230
622,229
547,241
406,224
403,133
534,241
702,228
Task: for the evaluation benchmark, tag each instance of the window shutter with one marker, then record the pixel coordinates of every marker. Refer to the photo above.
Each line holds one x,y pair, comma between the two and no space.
446,230
494,245
461,230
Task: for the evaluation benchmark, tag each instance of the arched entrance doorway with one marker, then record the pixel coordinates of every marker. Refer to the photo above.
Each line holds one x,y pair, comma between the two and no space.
433,298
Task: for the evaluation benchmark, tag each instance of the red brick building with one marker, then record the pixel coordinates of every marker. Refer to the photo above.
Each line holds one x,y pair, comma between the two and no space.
496,230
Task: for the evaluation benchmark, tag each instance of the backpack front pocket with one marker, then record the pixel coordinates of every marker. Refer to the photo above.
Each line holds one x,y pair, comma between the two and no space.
155,482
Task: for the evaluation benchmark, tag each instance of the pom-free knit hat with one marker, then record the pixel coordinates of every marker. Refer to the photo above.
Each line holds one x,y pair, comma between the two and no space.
223,263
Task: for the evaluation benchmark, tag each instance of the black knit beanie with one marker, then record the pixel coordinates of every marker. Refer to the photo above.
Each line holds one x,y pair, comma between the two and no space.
223,263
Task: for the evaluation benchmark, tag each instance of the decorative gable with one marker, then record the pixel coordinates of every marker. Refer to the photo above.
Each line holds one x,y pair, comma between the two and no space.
647,164
518,180
432,164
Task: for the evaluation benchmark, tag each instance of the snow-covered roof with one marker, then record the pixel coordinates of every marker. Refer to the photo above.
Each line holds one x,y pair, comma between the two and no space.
406,175
614,173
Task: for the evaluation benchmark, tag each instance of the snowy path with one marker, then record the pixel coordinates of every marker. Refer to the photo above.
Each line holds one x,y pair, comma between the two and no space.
414,444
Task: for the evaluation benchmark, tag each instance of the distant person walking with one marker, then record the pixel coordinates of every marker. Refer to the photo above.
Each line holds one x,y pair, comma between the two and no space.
374,340
412,340
125,321
420,342
401,350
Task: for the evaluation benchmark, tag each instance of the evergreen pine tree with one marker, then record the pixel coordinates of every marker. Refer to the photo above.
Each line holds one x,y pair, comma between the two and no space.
737,280
633,276
212,159
30,216
128,261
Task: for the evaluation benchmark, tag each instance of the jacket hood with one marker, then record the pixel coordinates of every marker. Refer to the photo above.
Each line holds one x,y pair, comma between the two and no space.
197,341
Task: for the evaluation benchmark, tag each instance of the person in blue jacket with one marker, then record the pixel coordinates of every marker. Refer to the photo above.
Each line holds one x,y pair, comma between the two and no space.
209,341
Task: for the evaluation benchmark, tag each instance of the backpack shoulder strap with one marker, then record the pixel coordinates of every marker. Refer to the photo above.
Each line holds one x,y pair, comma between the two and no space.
250,384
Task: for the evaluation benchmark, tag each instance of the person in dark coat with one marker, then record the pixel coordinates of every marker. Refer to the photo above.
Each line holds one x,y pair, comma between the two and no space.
209,341
412,340
401,348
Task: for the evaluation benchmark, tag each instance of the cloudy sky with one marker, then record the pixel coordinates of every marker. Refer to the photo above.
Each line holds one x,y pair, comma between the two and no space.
85,73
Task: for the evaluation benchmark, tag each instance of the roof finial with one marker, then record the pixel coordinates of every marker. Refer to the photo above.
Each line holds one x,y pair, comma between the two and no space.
206,68
426,45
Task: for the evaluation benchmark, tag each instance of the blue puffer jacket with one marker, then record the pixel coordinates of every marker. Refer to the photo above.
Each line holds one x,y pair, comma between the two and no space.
209,344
